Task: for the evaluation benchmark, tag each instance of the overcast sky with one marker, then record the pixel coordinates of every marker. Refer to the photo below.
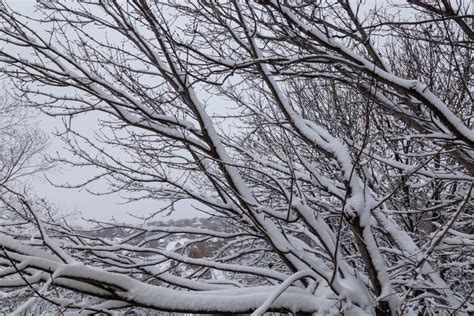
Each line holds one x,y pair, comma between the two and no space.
98,207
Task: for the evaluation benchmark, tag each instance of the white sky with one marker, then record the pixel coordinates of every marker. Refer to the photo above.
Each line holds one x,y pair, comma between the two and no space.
98,207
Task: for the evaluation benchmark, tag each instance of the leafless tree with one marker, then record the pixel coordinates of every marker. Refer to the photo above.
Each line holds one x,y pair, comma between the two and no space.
20,144
334,140
21,157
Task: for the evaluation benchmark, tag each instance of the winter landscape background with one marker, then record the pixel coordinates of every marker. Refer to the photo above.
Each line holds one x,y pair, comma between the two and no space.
236,157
